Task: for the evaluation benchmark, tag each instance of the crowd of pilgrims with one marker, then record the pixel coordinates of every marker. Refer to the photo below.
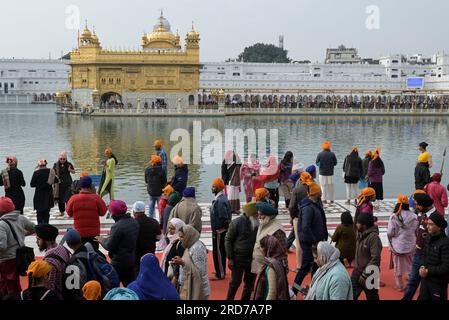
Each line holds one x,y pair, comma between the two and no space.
254,245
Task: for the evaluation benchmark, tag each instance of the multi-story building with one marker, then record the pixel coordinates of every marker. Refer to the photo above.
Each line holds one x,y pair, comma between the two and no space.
32,80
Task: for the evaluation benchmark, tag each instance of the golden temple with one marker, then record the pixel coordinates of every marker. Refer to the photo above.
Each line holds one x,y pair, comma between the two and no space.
161,72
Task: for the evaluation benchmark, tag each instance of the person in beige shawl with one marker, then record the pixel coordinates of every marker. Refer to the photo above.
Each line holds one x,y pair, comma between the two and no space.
193,278
268,225
188,210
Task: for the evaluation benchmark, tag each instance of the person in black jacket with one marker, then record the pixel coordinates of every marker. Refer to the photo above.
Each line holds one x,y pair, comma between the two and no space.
121,243
43,179
78,261
220,218
13,181
239,243
63,170
156,179
179,180
326,161
422,172
149,233
434,271
352,168
312,228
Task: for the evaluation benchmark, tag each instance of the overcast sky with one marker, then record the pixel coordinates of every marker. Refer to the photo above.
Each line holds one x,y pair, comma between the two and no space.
34,28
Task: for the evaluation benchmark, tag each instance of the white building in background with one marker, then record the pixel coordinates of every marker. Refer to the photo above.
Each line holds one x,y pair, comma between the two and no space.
30,80
26,81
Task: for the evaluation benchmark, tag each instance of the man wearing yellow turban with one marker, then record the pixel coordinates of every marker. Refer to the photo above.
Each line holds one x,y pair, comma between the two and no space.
422,172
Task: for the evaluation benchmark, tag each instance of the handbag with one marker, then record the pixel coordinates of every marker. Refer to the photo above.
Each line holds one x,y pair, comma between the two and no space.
24,254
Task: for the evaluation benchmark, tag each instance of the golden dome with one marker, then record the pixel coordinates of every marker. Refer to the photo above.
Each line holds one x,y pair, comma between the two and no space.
192,34
161,37
86,34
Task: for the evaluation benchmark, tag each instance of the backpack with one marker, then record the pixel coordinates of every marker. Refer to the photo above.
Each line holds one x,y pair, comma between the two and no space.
102,270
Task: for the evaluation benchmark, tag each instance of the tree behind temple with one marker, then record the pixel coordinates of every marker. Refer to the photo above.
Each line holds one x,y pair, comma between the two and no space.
261,52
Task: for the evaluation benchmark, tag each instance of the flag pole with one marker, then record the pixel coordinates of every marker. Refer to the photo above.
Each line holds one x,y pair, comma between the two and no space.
442,164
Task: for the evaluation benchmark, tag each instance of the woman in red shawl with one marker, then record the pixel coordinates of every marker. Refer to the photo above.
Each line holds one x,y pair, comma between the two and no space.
269,175
248,171
272,283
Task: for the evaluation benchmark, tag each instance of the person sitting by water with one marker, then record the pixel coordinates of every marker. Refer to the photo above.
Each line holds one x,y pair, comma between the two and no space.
151,283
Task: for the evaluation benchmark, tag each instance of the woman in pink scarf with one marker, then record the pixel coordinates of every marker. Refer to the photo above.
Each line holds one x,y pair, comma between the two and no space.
248,171
271,173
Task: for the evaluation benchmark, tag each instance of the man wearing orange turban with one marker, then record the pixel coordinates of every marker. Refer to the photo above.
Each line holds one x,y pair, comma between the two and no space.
261,194
161,152
38,273
312,229
92,290
156,179
220,218
326,161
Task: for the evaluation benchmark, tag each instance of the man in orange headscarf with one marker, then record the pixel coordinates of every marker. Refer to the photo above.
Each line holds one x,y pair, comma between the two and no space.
326,161
161,152
156,179
220,218
312,229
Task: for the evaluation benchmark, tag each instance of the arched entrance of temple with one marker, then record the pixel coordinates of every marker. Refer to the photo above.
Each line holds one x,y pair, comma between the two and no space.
111,98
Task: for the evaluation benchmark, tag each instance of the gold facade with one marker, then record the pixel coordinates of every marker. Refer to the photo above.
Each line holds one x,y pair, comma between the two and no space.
160,66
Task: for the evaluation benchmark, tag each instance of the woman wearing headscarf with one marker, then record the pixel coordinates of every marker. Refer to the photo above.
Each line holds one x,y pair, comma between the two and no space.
13,181
376,170
173,249
248,171
270,174
352,169
364,203
230,173
163,203
331,281
121,294
62,190
268,225
438,193
285,170
107,182
272,283
402,237
43,179
193,279
345,239
152,283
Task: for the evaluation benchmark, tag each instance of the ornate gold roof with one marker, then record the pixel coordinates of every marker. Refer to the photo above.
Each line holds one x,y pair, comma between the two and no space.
161,37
